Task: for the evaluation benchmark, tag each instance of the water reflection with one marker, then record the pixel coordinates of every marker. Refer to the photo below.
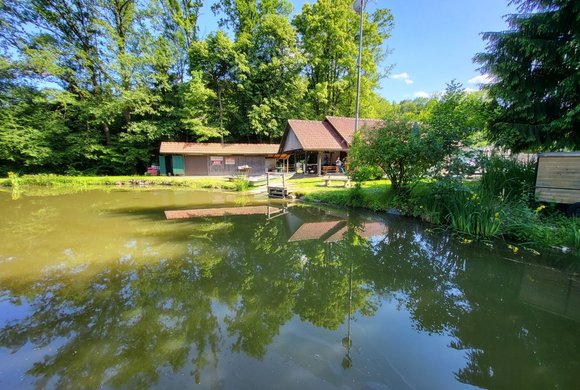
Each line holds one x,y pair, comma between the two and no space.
552,291
239,281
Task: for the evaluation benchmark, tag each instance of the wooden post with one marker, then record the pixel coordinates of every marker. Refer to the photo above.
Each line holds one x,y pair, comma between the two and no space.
319,163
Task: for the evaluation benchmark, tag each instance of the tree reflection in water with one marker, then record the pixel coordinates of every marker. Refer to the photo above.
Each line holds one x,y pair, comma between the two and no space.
128,325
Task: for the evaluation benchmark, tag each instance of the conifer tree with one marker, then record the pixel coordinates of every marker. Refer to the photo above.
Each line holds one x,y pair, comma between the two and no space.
535,67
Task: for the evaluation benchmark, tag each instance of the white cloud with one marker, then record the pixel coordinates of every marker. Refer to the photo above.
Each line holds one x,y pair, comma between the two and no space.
421,94
470,90
398,76
481,79
403,76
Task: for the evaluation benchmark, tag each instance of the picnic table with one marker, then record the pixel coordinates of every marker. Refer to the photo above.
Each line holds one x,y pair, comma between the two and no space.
336,177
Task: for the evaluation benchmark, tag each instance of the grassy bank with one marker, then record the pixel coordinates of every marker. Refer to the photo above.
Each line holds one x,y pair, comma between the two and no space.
467,211
59,181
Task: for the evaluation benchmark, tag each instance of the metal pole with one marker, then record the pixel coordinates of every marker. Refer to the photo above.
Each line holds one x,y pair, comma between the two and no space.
358,66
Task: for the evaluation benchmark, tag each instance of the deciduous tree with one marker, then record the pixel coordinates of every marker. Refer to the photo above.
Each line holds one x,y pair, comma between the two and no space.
328,33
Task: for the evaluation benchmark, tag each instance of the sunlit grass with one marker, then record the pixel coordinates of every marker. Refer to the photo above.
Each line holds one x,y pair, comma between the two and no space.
61,181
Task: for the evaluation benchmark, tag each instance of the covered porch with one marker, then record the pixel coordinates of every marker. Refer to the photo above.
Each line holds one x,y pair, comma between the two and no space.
319,162
313,146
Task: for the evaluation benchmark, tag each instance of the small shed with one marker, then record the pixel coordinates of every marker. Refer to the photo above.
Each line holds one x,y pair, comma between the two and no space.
216,159
558,179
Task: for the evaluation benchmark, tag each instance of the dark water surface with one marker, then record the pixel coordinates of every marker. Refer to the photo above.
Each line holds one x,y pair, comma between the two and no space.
153,290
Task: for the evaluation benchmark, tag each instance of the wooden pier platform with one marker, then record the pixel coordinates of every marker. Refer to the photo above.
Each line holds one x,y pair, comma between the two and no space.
277,185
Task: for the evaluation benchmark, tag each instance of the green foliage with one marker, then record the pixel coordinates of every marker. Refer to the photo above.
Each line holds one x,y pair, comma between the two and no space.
456,116
394,148
375,197
463,207
479,209
366,173
473,215
256,78
60,181
418,137
541,227
95,89
534,66
329,36
399,149
508,178
241,183
221,64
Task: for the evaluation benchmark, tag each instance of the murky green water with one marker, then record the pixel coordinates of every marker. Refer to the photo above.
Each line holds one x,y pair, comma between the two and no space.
152,290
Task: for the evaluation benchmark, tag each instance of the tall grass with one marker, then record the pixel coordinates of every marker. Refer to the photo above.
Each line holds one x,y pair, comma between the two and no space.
241,183
14,180
507,177
475,216
480,208
59,181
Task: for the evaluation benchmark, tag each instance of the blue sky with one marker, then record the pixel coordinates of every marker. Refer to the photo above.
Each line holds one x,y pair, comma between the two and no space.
432,43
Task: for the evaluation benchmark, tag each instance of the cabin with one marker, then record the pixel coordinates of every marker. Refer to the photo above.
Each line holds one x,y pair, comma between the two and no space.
558,180
320,143
217,159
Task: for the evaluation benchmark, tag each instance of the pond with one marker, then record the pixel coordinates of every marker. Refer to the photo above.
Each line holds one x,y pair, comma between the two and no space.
174,289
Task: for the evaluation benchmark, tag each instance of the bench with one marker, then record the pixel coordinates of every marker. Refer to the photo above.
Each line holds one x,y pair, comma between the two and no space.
326,169
343,178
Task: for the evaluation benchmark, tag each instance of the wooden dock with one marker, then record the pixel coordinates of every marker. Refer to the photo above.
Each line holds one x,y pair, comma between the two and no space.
277,185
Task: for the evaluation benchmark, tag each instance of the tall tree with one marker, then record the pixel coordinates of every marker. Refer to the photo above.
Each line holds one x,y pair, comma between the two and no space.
222,64
328,32
536,76
58,40
269,89
180,27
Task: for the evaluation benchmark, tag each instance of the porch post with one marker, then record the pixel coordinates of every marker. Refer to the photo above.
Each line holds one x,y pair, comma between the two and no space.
319,163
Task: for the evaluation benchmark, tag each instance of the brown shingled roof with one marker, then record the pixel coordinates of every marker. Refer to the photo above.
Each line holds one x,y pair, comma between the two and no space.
345,126
332,134
313,230
194,148
316,135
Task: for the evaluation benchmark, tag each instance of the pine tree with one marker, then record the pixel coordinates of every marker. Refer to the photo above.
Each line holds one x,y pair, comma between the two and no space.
535,66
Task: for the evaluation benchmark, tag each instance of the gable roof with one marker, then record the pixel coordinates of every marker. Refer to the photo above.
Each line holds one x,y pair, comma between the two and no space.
332,134
345,126
198,148
315,135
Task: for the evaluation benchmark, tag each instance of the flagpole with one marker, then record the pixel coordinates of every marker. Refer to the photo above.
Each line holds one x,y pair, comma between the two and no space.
358,64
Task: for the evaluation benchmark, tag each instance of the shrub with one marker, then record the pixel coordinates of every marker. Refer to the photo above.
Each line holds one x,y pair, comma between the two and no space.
406,147
402,150
540,227
366,173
